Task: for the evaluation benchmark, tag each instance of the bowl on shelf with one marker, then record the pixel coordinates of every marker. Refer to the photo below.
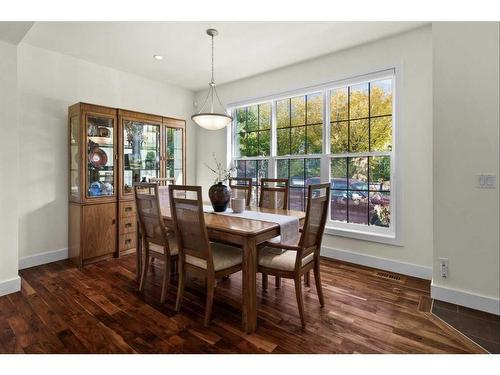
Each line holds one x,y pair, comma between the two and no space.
97,157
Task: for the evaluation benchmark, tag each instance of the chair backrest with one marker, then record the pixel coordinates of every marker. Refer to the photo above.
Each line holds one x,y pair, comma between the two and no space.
318,197
274,193
149,213
187,214
242,184
162,181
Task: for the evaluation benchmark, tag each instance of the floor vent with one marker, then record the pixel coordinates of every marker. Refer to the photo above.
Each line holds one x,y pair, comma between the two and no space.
388,275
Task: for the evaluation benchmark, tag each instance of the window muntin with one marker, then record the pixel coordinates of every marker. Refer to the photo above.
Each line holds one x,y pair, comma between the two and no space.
354,150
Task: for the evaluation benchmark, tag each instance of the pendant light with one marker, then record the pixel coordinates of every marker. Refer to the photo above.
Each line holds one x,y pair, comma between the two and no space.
212,120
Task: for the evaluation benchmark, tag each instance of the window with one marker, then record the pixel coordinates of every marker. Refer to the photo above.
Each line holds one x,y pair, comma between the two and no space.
300,173
254,169
299,123
361,127
253,133
342,133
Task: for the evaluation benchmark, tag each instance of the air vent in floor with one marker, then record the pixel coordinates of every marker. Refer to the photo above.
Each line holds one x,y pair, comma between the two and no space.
388,275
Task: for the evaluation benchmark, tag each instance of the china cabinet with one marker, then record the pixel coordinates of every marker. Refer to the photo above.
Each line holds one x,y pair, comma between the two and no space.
109,150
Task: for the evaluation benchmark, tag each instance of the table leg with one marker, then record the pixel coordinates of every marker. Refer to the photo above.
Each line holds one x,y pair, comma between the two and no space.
249,313
138,253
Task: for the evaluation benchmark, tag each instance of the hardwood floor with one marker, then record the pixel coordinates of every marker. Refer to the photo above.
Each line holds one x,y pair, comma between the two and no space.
62,309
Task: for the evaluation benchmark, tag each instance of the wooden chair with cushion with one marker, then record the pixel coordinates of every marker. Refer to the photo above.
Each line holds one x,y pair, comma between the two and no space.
196,253
244,184
274,193
293,261
158,243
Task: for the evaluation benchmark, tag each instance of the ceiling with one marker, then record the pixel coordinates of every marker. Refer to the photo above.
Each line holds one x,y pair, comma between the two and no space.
242,49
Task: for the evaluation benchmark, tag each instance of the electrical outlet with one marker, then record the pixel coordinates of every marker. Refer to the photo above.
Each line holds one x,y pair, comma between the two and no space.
443,265
486,181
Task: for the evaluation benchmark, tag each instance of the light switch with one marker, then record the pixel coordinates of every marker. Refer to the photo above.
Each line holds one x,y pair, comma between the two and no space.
486,181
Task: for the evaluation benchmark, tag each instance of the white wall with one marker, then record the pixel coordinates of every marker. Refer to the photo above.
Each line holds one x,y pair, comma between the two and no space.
411,54
9,280
466,139
48,83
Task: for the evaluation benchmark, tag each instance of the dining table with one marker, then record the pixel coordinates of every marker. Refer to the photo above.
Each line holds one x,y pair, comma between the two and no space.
241,232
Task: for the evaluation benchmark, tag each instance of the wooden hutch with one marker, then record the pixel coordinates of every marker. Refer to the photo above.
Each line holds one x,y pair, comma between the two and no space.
109,150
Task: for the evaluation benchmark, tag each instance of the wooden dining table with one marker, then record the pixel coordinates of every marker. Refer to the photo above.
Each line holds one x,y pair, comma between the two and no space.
241,232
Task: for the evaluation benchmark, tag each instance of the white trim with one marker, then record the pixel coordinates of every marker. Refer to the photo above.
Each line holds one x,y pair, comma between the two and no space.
362,232
403,268
43,258
10,286
463,298
380,74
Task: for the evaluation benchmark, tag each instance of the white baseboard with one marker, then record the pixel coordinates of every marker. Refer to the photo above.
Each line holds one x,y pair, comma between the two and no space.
10,286
42,258
403,268
467,299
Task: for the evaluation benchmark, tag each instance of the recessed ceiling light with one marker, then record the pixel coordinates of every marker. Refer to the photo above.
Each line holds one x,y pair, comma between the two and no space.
158,57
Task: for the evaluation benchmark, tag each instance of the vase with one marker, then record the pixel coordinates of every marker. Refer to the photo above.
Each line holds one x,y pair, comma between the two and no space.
219,195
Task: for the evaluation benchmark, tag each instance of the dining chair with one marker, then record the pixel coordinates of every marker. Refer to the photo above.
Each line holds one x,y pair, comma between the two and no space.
294,261
242,184
196,253
158,243
274,193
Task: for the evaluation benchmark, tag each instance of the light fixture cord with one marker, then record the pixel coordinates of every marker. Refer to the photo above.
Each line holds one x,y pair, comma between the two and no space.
212,59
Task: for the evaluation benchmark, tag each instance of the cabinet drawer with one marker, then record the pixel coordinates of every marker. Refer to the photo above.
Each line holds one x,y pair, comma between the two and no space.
127,241
128,224
127,209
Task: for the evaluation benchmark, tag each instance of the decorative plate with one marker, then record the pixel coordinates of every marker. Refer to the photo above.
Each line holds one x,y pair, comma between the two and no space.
97,157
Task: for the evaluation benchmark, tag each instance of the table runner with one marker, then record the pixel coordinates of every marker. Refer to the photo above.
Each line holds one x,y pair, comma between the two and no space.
289,225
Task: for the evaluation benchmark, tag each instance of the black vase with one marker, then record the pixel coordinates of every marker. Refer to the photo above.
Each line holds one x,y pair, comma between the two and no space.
219,195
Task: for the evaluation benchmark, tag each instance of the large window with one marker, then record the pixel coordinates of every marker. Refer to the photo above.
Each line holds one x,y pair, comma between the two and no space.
340,133
361,127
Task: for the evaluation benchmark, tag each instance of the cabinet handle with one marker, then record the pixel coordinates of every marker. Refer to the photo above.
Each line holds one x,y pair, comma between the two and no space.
128,240
128,225
128,209
113,221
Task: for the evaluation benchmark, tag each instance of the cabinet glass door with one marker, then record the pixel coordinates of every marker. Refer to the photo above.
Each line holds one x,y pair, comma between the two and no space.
141,153
100,160
174,156
74,157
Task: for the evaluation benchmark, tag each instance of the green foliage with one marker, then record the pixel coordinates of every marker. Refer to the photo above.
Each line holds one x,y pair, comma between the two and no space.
293,117
253,133
354,106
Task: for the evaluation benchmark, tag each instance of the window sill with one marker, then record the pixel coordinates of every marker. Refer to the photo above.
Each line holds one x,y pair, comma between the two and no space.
389,238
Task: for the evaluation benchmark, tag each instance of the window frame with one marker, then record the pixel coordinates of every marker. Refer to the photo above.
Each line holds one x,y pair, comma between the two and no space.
390,235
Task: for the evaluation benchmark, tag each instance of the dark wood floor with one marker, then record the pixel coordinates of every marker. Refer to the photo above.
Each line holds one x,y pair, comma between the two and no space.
62,309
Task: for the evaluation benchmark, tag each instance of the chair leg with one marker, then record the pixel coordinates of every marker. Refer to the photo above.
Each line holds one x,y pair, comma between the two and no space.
277,282
300,301
307,278
145,266
264,281
319,288
210,299
166,278
180,287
